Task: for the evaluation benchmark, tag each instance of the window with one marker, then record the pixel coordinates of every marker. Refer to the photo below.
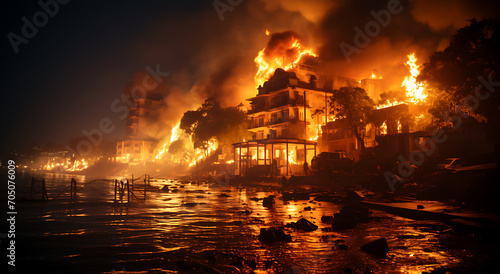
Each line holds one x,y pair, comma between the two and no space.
285,115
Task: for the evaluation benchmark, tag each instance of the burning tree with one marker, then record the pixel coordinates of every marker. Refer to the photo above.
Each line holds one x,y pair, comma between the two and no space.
353,104
456,72
211,121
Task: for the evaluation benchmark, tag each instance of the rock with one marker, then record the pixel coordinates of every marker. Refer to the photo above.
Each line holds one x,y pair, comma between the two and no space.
268,264
307,208
255,199
247,212
326,219
164,188
420,207
273,235
268,201
303,224
377,247
189,204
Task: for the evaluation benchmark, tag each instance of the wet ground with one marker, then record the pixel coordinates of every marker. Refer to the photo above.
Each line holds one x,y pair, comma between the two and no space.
200,228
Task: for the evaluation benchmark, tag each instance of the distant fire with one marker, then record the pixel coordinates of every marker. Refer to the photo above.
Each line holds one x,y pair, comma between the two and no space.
267,65
77,165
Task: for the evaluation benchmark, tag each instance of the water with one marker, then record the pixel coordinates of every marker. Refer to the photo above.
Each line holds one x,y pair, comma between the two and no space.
95,235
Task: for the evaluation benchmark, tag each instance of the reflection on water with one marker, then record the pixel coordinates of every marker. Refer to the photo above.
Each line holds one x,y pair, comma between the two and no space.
192,221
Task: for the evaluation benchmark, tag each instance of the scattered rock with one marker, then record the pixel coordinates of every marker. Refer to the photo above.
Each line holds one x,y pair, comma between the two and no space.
268,201
377,247
303,224
273,235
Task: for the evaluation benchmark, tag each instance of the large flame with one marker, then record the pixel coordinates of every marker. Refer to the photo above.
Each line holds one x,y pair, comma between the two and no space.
414,89
174,136
267,67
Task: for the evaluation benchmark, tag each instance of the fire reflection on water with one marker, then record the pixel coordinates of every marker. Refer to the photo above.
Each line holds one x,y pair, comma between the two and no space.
194,218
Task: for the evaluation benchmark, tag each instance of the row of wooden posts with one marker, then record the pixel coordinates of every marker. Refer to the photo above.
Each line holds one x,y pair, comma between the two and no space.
122,187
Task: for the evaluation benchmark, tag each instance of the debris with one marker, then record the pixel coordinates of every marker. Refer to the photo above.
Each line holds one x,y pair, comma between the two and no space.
273,235
377,247
303,224
355,195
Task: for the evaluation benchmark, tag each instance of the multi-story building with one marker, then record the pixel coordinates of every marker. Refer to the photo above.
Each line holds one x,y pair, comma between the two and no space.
138,147
285,120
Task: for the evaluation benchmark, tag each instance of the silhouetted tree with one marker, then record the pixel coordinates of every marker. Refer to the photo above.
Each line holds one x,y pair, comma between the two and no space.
473,54
354,104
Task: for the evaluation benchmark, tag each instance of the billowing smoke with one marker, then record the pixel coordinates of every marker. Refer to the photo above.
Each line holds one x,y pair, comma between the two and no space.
219,56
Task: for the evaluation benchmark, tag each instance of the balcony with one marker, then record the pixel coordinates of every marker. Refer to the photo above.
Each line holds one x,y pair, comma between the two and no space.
257,125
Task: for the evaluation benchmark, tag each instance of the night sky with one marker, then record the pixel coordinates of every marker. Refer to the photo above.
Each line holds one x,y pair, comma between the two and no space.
66,77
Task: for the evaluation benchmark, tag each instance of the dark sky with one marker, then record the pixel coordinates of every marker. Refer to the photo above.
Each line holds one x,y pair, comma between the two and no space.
66,77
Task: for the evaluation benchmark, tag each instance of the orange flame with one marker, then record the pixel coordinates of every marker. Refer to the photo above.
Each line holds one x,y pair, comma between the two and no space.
200,154
414,89
267,67
174,136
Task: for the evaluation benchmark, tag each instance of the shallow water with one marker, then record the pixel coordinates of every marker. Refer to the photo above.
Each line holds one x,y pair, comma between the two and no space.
95,235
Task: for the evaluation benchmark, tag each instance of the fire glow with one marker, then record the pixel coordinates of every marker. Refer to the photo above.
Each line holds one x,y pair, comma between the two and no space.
267,65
